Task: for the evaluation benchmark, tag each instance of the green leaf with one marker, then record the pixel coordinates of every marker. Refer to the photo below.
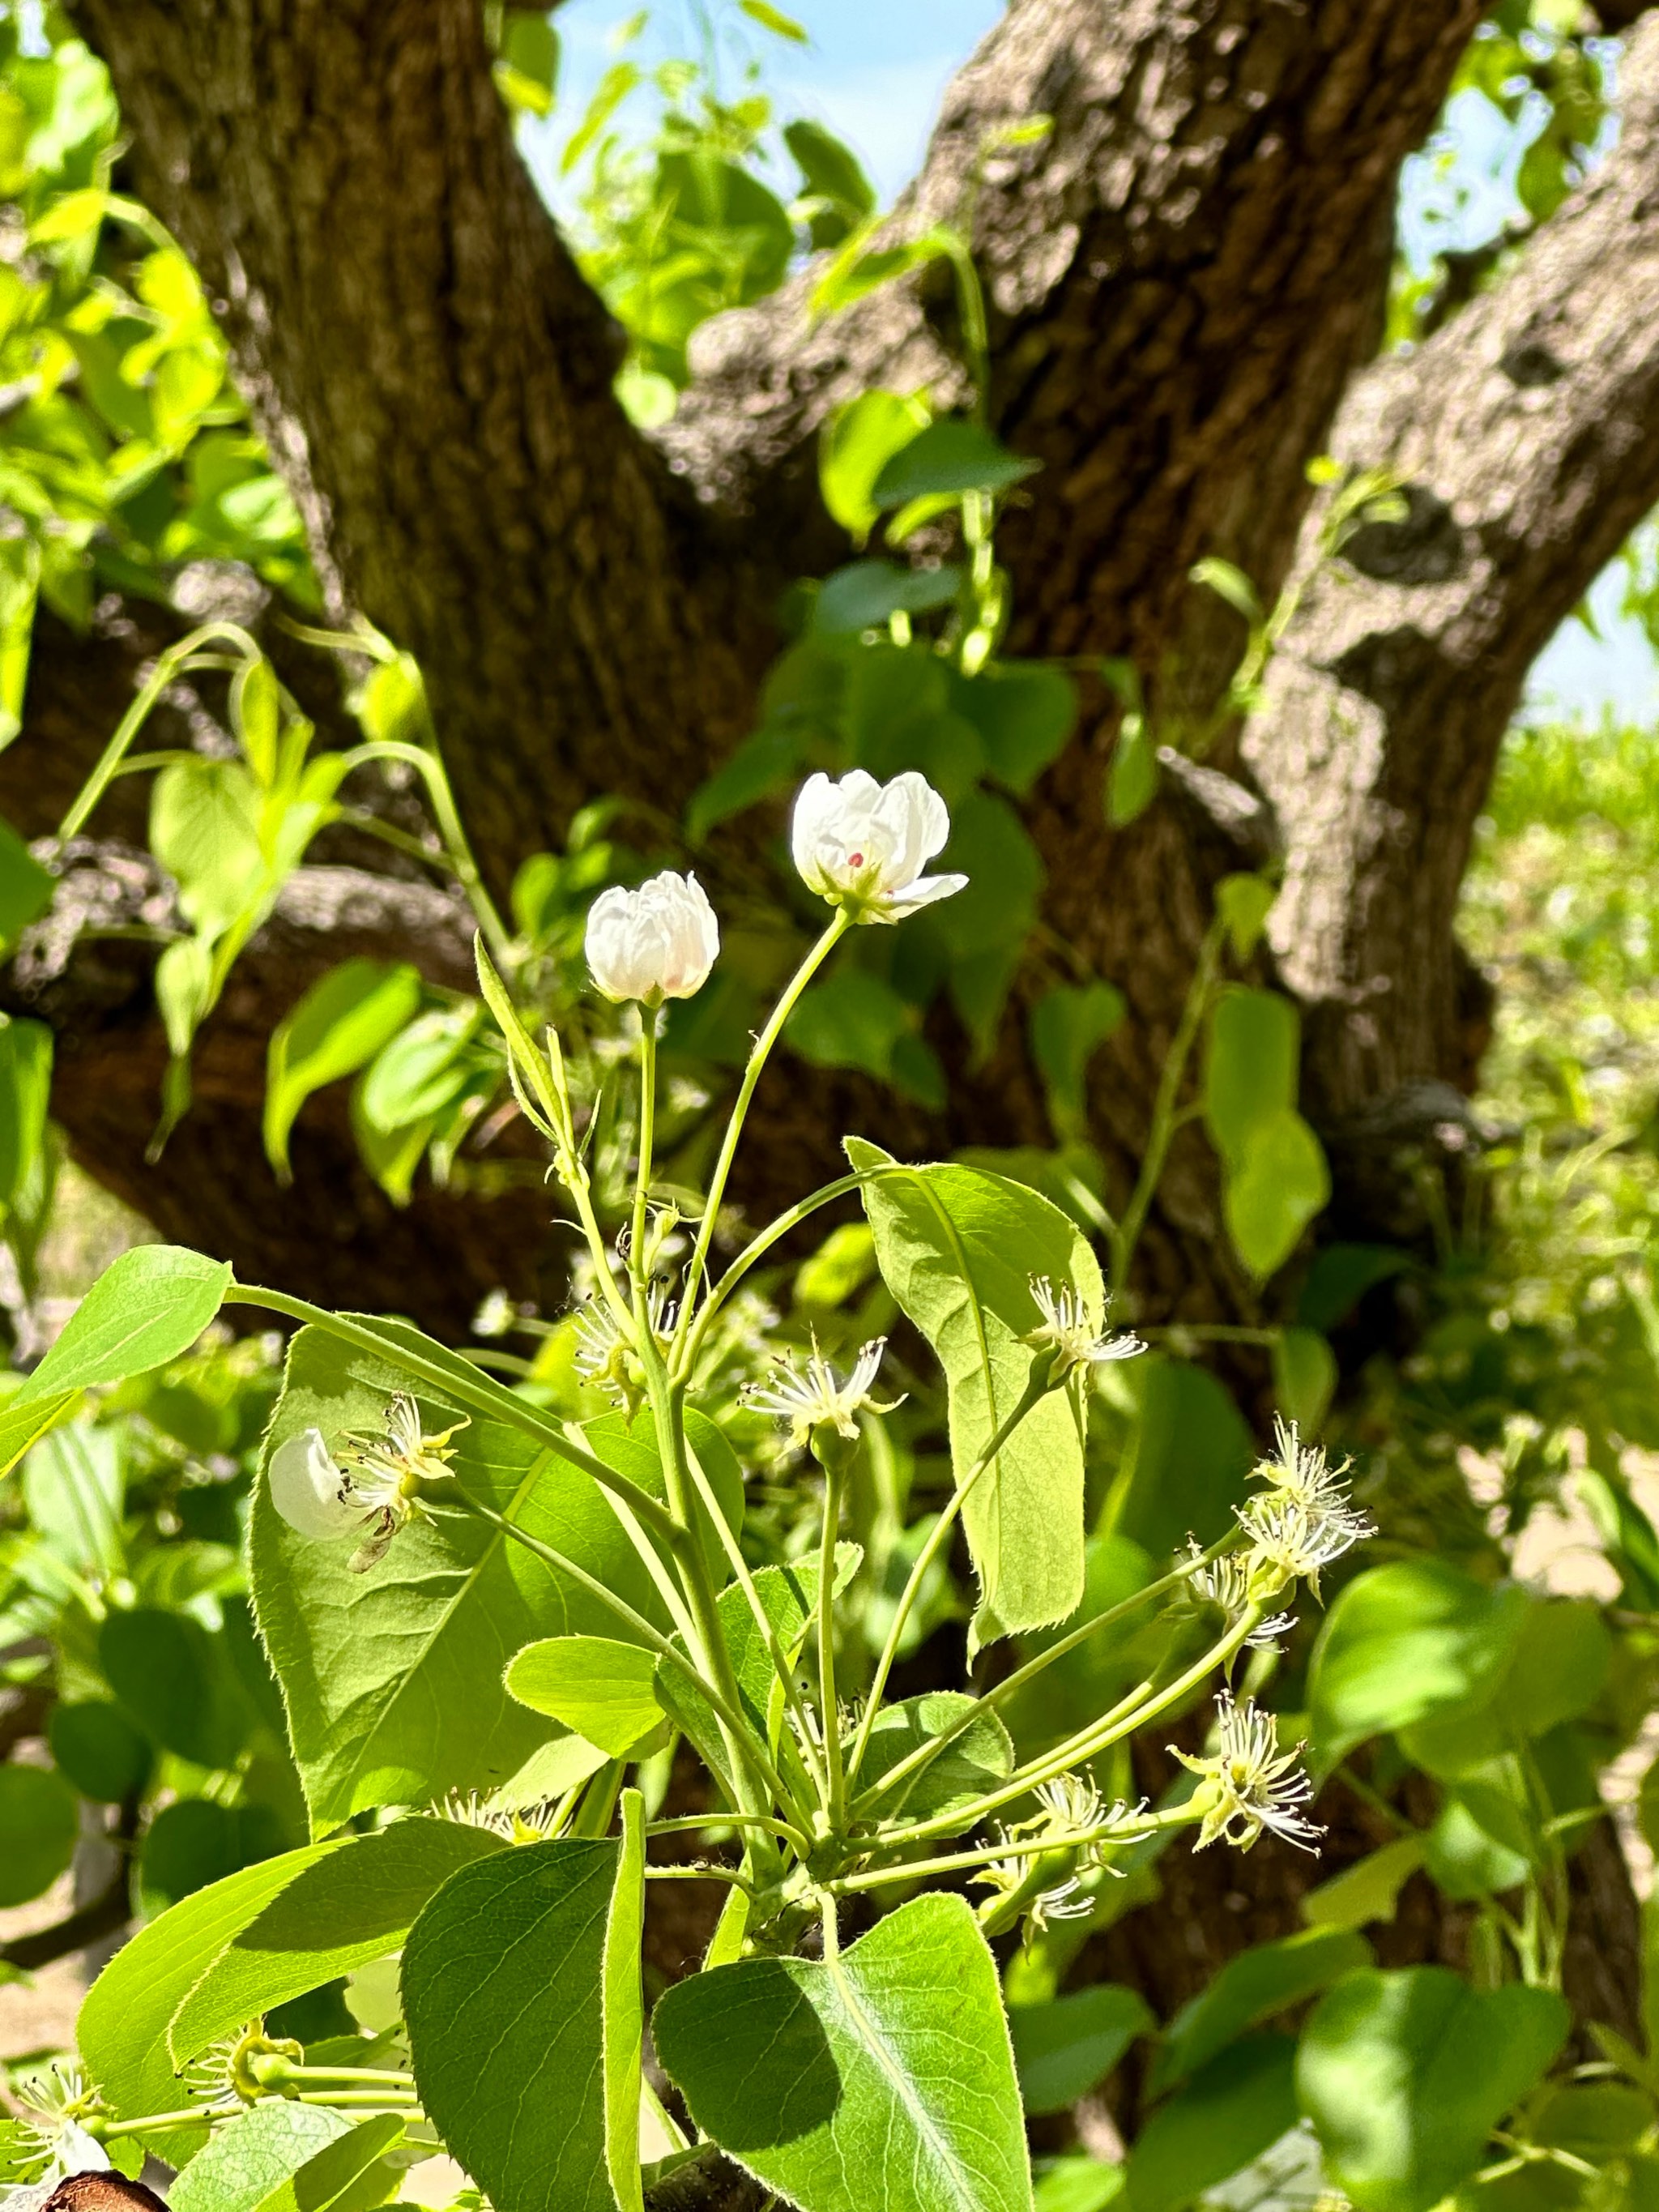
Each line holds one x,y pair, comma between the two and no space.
853,1020
958,1247
769,762
1280,1184
197,1841
1190,1458
1405,2074
24,1421
949,458
1244,904
121,2030
1025,711
510,1958
982,1756
343,1021
146,1309
1068,1025
1064,2047
251,2157
1251,1060
205,830
1406,1642
880,2082
1249,1989
346,2175
856,443
256,715
867,593
173,1677
773,20
1077,2184
1228,2113
424,1067
25,1090
1131,782
623,2001
98,1747
1465,1860
39,1823
393,1679
352,1906
602,1689
1367,1891
1231,584
74,1486
1305,1377
25,888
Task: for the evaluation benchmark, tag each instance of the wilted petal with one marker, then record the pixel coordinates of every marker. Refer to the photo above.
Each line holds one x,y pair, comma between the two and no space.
309,1491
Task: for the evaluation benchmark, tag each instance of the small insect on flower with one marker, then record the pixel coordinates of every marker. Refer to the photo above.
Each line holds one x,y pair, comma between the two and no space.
862,845
1247,1784
657,942
365,1486
818,1397
1067,1331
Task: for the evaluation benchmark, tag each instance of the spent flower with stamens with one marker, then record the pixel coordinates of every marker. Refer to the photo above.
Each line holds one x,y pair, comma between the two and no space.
816,1397
518,1824
54,2107
365,1484
1062,1901
862,845
1068,1333
1290,1541
606,1357
1227,1583
1302,1472
1248,1784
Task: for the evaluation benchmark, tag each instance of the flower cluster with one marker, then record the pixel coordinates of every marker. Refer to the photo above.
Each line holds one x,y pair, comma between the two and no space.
363,1484
1076,1820
860,844
606,1357
1225,1583
1304,1521
1247,1784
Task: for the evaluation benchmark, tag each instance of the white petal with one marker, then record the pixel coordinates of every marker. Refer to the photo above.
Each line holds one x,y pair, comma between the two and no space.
306,1486
924,892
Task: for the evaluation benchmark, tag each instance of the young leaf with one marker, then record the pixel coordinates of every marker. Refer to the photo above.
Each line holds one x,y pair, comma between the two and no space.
1405,2074
173,1676
855,444
949,458
25,1089
121,2030
24,1421
1064,2047
355,1906
339,1025
883,2078
146,1309
251,2157
1405,1643
1366,1891
345,2175
1068,1025
39,1822
510,1958
256,715
623,2001
600,1688
980,1757
958,1249
25,888
1228,2113
773,20
1250,1988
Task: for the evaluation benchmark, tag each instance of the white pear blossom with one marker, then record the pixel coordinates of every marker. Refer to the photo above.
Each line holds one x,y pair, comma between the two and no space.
863,845
1247,1784
1067,1331
657,942
818,1396
363,1485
